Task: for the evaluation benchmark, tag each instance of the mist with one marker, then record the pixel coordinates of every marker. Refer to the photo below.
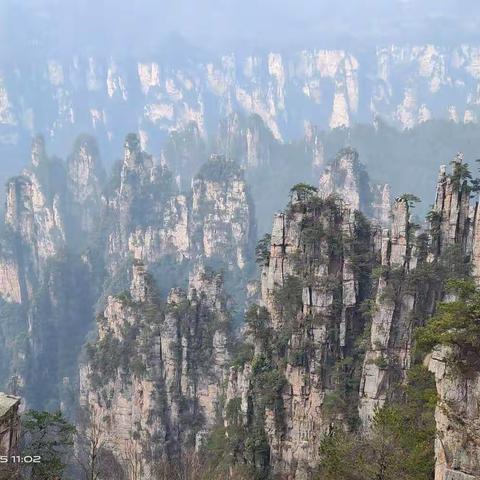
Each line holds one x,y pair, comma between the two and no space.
143,26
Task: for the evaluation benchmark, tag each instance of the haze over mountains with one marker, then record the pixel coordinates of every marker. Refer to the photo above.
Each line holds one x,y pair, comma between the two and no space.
227,250
216,25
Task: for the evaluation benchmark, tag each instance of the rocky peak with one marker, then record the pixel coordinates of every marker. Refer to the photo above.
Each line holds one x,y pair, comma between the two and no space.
346,177
222,211
450,218
38,151
388,356
210,284
137,166
85,170
35,205
139,285
454,224
184,152
86,178
165,376
304,324
246,139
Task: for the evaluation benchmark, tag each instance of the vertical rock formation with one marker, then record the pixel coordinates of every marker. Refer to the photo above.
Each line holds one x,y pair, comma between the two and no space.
146,217
457,445
156,372
223,224
246,140
303,331
388,356
86,179
34,232
156,224
455,229
184,152
44,287
35,206
347,178
410,284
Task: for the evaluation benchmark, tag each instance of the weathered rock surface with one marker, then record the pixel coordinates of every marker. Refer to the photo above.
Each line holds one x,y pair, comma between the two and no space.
160,388
406,85
388,356
346,177
310,288
457,446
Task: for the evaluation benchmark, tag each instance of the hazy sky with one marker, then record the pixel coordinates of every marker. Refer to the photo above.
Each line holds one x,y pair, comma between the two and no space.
129,25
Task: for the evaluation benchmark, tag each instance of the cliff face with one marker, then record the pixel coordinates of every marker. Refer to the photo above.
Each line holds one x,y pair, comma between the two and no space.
346,177
149,219
155,374
223,222
457,446
320,86
247,140
49,214
388,356
69,240
329,341
86,178
302,333
408,289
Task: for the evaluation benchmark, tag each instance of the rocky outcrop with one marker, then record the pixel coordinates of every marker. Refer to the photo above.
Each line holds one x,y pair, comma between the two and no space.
223,223
301,332
457,445
86,180
388,356
246,140
346,177
454,228
406,85
65,222
148,217
184,152
35,205
151,220
154,378
410,284
50,212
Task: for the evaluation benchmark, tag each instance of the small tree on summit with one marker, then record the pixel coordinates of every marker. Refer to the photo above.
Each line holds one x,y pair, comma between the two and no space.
302,191
410,199
460,172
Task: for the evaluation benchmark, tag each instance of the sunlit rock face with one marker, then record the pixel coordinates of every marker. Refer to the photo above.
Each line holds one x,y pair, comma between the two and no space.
347,178
306,320
158,398
406,85
150,219
400,306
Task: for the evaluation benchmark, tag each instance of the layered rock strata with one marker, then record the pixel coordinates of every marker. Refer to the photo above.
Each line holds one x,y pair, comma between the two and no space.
154,377
302,332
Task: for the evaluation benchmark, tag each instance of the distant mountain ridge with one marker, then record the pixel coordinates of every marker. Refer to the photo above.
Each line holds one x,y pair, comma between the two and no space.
404,85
